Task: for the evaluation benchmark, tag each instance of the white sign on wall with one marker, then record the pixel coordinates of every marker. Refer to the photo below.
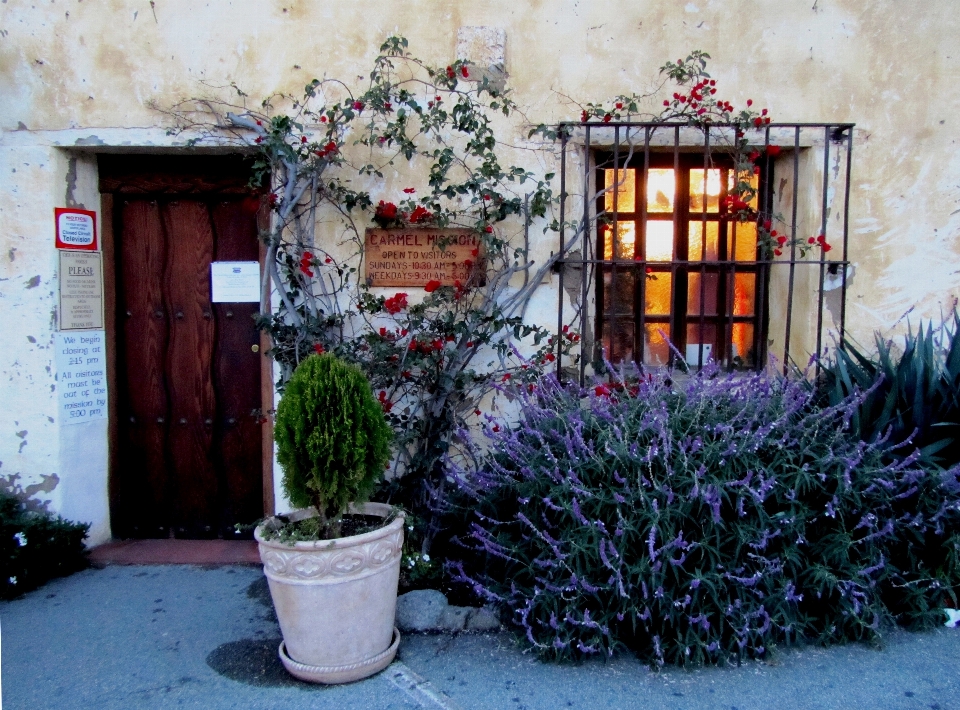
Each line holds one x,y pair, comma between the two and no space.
235,281
81,291
81,362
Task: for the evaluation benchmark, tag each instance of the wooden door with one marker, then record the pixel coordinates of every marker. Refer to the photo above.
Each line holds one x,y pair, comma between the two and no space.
189,456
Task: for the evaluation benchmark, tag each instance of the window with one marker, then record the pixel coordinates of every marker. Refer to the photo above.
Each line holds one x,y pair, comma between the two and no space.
673,264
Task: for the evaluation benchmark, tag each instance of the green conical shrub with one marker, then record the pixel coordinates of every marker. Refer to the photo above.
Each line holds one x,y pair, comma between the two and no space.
332,439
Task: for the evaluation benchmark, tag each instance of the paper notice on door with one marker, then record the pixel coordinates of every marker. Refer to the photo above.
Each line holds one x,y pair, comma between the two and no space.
235,281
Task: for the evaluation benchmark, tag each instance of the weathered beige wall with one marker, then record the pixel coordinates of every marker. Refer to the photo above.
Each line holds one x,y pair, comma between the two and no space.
80,73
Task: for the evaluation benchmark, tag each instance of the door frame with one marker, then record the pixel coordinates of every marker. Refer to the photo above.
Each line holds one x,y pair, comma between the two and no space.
108,250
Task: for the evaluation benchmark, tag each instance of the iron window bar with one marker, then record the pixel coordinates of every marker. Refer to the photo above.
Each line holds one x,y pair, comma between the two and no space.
639,137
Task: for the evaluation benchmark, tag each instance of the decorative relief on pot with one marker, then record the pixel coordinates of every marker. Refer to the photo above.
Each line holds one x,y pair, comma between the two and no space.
331,562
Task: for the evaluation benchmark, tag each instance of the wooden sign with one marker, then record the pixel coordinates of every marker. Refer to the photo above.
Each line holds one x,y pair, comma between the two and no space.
415,256
81,291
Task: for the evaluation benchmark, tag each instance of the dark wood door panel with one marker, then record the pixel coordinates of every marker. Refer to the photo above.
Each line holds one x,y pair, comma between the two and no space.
190,442
144,413
189,362
236,375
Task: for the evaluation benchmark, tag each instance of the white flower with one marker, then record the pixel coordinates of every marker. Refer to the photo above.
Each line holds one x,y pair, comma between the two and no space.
425,558
21,539
12,580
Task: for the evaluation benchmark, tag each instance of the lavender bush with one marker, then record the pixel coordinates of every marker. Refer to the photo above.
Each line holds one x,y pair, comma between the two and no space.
701,521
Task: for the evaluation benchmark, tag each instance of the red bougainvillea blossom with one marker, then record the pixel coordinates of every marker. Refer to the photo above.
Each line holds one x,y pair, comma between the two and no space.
395,304
431,286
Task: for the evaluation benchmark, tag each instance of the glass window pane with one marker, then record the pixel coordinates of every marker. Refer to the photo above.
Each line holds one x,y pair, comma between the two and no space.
712,189
711,283
744,294
618,340
656,297
695,251
742,240
700,343
661,186
618,292
626,191
742,352
659,241
627,241
656,349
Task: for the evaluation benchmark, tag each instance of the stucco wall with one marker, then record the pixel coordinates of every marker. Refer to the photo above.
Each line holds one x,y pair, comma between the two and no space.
80,74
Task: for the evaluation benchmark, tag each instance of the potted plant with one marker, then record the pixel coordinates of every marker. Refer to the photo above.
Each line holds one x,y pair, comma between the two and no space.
333,565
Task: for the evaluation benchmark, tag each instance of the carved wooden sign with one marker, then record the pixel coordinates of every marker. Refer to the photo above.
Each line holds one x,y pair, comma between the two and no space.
415,256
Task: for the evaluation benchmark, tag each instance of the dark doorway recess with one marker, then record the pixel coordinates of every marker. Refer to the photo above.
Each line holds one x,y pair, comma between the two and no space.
188,449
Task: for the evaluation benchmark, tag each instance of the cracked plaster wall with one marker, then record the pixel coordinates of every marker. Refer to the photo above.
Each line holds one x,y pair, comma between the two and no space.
80,74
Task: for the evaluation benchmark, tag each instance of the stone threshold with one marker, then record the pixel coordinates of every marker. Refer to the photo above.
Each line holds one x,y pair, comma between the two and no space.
175,552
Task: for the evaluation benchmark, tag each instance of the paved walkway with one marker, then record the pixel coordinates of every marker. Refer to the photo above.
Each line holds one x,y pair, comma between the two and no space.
205,637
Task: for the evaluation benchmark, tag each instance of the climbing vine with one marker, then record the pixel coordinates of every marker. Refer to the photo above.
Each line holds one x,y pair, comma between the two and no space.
323,159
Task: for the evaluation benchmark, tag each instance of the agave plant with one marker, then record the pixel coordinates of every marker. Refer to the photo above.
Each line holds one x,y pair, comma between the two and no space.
912,396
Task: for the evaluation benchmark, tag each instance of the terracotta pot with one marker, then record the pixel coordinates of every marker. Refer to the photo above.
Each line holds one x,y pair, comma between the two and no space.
336,600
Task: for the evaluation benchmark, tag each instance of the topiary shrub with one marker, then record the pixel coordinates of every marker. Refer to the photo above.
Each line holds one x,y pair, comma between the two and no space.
332,439
702,521
36,547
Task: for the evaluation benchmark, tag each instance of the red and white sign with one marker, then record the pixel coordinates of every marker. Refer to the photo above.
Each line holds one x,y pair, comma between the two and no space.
76,229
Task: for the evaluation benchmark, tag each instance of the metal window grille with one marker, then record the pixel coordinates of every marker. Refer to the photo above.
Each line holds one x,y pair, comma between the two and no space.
613,253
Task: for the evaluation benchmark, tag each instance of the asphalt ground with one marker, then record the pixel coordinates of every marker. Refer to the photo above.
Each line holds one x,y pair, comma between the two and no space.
177,636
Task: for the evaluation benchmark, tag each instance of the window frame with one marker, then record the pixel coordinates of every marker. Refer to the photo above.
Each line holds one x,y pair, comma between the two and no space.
680,268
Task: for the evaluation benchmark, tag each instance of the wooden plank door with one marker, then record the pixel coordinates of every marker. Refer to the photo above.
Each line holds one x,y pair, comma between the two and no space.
188,370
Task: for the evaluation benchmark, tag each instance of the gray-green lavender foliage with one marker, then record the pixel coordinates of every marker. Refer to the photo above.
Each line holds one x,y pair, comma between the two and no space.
702,521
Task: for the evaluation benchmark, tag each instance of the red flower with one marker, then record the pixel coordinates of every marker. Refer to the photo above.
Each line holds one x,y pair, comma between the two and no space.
601,391
549,357
477,412
409,190
749,103
811,240
386,210
758,122
323,119
318,348
754,155
826,247
475,252
259,123
767,225
773,150
506,377
469,343
431,286
777,252
438,99
619,104
488,229
450,338
413,345
420,214
496,427
259,139
450,73
438,344
464,72
396,304
468,263
606,118
781,240
383,332
358,105
329,149
666,103
303,139
583,117
328,260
